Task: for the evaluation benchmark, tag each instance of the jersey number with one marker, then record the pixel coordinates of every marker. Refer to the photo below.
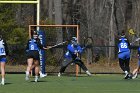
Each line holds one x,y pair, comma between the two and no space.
32,47
123,45
2,50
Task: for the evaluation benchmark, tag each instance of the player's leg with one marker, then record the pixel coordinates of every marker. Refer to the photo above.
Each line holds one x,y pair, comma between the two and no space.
36,58
127,69
36,63
29,67
121,57
64,65
135,71
32,71
2,62
82,65
122,66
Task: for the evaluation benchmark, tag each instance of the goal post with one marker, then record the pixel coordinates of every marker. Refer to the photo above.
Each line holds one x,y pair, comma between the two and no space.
37,2
75,27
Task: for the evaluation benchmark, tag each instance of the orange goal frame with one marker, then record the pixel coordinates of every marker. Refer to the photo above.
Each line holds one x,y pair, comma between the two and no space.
75,26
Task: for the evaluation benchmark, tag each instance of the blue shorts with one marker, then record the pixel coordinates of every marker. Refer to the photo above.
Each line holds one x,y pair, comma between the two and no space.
124,55
3,59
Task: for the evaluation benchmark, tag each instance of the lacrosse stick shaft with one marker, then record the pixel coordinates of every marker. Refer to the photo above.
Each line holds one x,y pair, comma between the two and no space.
57,45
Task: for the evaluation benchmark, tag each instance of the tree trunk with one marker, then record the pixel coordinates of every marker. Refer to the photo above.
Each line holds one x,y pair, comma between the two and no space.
111,33
58,21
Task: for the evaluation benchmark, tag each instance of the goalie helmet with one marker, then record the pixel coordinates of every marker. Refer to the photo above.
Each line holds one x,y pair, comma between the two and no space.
74,41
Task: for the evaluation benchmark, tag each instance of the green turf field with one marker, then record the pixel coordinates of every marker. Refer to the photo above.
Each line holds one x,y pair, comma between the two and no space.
69,84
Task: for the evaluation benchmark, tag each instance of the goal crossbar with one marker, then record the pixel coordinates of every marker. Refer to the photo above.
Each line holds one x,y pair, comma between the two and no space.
19,2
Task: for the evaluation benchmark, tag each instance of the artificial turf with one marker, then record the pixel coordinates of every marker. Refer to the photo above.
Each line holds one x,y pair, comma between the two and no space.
99,83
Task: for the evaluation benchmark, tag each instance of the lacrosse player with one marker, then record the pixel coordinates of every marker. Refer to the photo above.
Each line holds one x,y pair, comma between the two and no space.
71,57
3,53
124,55
33,47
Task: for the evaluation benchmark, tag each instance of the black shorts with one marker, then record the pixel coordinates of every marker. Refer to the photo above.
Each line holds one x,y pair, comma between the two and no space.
33,54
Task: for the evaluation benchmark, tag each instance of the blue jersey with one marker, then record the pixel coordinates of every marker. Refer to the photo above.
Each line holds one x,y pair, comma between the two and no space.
72,51
33,45
2,48
123,45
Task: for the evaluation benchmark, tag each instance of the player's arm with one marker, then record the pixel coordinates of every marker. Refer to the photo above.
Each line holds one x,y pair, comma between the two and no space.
27,46
131,46
80,49
40,45
71,49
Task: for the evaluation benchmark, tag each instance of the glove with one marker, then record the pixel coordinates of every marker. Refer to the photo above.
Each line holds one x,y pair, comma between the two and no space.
75,52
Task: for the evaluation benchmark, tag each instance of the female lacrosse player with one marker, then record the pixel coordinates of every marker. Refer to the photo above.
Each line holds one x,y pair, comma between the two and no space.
135,72
124,55
33,47
3,53
71,57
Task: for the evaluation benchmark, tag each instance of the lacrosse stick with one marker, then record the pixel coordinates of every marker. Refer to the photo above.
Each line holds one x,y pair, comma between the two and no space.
57,45
87,42
132,32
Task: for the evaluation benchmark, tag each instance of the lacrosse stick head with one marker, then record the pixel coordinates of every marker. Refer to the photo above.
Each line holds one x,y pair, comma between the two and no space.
131,32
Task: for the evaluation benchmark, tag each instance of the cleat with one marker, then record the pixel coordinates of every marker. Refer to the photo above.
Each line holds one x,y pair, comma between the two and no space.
2,83
88,73
135,76
126,76
59,74
36,78
27,75
26,78
129,76
42,75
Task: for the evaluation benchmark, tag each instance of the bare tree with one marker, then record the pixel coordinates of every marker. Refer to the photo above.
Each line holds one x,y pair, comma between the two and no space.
111,32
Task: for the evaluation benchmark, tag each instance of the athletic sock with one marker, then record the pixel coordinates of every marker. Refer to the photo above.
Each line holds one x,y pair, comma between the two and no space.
3,81
36,78
27,73
126,72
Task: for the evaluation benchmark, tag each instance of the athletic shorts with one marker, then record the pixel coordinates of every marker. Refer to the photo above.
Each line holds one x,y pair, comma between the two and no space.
3,59
33,54
124,55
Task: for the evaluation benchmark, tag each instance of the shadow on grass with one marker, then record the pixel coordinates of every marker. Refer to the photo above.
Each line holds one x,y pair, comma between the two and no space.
39,81
8,83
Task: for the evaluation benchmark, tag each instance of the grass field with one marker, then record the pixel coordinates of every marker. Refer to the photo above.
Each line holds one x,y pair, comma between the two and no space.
99,83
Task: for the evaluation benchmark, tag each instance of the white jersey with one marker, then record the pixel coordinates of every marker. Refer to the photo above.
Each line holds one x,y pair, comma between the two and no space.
2,48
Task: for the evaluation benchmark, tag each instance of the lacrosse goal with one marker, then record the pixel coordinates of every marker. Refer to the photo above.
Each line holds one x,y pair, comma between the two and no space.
55,35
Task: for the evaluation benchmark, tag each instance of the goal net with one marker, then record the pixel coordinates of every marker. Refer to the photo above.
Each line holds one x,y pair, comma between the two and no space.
57,37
